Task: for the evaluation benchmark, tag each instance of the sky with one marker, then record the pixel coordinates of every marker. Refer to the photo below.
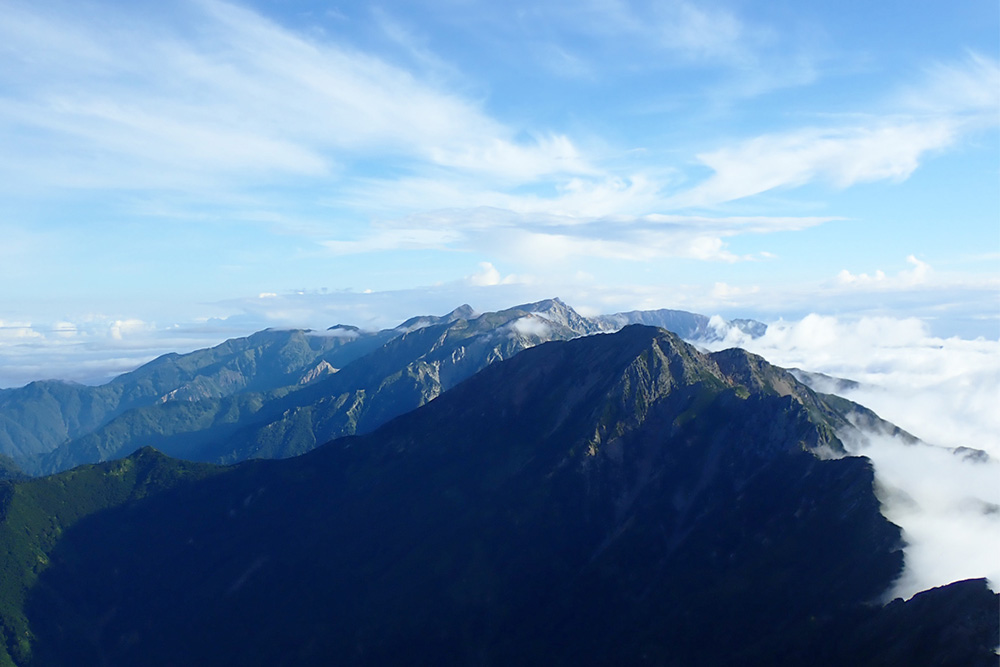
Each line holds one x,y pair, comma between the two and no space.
174,174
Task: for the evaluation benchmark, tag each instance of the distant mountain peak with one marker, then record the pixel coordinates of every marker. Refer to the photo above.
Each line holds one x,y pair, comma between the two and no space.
690,326
556,311
463,312
547,305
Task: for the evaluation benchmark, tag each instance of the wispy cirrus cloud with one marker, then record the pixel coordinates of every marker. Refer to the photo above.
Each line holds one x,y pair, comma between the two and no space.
159,104
540,238
951,100
968,87
839,156
686,31
240,99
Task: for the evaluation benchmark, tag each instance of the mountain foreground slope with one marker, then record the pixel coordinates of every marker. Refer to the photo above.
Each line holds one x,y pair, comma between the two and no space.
613,499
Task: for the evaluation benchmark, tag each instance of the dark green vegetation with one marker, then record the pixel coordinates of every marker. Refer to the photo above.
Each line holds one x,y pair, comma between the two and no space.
35,514
617,499
280,393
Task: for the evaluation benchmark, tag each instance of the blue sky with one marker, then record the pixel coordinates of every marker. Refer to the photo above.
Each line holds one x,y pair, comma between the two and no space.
176,173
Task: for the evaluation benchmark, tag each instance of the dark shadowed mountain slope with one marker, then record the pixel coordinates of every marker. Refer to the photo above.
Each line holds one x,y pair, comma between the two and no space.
35,513
614,499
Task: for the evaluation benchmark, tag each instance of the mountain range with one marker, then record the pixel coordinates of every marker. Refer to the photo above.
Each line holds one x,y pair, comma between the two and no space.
610,499
279,393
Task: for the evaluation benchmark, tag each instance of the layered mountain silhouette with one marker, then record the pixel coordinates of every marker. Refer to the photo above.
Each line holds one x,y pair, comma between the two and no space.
607,500
280,393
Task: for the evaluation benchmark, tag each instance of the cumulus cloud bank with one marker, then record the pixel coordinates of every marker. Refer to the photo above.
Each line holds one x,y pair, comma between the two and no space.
948,505
92,349
532,325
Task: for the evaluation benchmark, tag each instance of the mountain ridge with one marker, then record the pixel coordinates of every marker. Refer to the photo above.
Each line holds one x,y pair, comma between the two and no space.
613,499
229,402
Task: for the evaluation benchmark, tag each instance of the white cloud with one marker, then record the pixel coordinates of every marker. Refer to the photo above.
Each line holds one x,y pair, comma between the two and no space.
119,329
953,99
488,275
699,32
841,156
685,31
724,292
540,238
948,507
918,275
845,277
13,331
395,239
518,163
91,348
970,87
580,195
951,303
167,105
532,325
944,391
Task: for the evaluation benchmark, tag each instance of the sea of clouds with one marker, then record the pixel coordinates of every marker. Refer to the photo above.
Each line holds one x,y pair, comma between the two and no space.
945,391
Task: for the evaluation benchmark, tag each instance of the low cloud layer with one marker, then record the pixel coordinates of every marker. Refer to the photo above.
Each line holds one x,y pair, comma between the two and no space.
92,349
948,505
944,391
939,389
